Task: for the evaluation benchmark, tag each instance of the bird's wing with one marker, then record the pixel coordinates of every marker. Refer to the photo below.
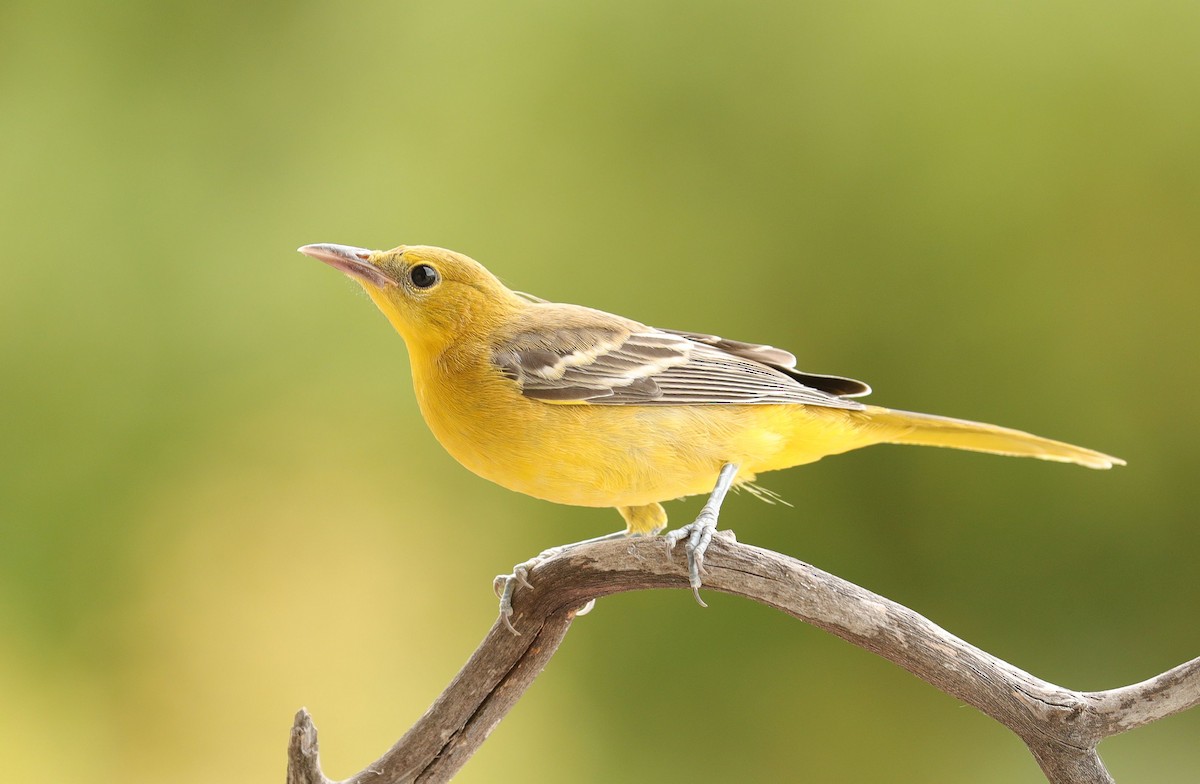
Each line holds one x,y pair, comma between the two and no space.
783,361
576,355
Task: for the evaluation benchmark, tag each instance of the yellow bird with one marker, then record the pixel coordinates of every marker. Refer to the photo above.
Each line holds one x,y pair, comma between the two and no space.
578,406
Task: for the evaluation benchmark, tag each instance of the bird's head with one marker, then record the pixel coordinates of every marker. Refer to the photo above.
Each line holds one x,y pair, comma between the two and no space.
432,296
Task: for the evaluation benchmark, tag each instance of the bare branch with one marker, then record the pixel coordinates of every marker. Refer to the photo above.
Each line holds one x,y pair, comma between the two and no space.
1118,710
1068,764
303,766
1060,726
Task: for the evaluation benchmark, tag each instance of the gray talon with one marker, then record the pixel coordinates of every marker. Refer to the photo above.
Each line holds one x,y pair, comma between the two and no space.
506,609
505,584
699,533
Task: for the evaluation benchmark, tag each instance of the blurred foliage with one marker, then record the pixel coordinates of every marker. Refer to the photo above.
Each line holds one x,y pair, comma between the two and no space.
218,502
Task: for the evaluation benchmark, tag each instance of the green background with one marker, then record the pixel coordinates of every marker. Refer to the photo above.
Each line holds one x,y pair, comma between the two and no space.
218,501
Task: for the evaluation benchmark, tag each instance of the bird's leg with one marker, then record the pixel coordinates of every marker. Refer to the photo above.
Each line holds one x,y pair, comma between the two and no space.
505,584
700,532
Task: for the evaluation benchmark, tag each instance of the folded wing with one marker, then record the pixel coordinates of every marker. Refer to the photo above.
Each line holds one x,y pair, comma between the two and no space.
584,356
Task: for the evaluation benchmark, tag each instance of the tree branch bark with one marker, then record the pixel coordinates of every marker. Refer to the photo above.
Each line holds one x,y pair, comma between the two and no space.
1061,727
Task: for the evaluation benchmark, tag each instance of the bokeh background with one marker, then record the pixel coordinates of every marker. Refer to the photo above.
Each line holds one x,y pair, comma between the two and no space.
218,501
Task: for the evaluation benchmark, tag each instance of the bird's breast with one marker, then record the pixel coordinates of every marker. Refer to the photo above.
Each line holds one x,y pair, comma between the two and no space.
585,455
610,455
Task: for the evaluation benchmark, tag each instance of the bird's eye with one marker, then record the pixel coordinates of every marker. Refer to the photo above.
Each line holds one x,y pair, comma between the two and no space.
423,276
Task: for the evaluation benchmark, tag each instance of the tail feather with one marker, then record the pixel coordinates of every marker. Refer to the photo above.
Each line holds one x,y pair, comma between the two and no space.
906,427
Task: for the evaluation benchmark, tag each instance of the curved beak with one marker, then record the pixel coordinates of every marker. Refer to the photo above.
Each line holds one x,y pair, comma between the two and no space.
355,262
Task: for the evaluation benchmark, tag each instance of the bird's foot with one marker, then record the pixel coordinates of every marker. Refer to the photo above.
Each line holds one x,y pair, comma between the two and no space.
698,534
505,584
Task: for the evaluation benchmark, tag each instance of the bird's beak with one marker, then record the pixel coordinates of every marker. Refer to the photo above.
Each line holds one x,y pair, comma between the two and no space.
355,262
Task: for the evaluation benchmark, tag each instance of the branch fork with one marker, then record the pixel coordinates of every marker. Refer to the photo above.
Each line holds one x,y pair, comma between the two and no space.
1061,727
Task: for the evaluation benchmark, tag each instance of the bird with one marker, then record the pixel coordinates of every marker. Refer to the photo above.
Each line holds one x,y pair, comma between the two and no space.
578,406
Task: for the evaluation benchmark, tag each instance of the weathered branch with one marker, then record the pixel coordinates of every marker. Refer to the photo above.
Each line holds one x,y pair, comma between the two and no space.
1061,727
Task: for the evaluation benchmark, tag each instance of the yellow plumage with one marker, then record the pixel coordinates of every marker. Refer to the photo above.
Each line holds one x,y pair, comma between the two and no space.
582,407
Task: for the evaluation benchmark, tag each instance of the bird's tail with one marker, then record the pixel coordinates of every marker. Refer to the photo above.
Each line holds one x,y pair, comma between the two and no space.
906,427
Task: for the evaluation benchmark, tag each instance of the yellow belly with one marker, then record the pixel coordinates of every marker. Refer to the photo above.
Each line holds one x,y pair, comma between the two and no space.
595,455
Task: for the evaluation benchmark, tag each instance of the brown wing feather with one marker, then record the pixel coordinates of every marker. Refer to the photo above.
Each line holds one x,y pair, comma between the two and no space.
570,354
783,361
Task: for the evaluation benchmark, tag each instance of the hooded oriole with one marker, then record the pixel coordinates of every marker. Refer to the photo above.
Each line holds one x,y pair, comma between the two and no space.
577,406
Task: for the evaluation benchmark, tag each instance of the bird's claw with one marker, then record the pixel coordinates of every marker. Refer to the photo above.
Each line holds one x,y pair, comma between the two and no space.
503,586
698,535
